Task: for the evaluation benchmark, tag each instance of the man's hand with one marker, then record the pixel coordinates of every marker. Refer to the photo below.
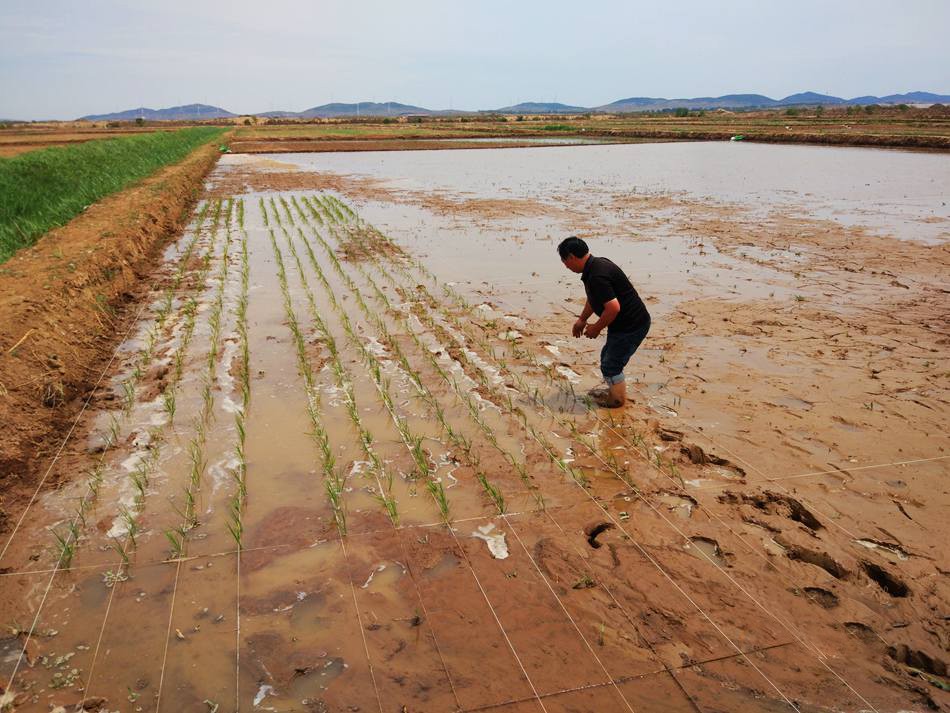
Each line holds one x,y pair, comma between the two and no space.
591,331
579,327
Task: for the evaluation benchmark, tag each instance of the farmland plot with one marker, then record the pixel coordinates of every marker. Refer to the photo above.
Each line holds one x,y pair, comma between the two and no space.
323,478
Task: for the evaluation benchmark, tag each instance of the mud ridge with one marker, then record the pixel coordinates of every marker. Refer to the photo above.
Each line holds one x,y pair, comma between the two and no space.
64,305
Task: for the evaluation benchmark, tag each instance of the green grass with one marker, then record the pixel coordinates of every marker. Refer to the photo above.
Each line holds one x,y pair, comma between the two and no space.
43,189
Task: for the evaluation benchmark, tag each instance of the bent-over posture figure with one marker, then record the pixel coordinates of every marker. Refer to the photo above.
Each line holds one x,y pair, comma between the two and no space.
614,300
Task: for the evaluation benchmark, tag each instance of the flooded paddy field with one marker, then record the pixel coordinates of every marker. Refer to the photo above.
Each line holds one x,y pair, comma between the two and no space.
344,461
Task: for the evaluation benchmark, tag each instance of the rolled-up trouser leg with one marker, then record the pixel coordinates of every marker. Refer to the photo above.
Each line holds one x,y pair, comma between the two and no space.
617,350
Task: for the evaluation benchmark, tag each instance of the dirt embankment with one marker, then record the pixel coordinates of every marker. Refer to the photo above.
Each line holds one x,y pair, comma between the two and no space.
63,309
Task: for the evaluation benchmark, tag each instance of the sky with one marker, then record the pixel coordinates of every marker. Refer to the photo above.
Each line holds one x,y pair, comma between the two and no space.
61,60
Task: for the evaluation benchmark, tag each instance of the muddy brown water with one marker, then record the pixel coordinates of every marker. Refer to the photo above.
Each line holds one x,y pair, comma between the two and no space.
716,545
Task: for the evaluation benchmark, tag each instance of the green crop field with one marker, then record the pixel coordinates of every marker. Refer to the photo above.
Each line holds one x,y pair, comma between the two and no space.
43,189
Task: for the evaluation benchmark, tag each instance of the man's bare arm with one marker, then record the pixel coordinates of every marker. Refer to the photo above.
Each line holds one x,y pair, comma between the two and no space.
611,310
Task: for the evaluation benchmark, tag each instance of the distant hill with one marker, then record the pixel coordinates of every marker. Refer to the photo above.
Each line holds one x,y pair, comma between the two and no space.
189,112
193,112
729,101
540,108
760,101
362,109
810,98
337,109
915,98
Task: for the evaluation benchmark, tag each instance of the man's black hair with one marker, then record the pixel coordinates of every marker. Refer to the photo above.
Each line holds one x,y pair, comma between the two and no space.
572,246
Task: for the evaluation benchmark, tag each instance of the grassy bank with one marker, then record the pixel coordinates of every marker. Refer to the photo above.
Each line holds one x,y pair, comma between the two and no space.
44,189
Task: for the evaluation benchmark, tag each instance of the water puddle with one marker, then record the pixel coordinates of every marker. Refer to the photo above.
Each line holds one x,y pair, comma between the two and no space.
705,549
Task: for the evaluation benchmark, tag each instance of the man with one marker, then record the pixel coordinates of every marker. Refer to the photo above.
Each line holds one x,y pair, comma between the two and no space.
620,310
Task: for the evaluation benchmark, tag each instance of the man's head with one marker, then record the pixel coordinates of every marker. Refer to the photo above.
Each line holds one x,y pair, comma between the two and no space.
574,253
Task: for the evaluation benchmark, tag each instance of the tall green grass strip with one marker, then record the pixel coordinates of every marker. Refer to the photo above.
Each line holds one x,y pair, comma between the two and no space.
41,190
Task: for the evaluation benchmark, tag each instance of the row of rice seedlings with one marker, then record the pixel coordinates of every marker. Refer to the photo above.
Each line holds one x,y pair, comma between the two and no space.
217,306
381,473
197,464
455,436
476,372
146,355
235,511
332,477
171,290
190,312
377,467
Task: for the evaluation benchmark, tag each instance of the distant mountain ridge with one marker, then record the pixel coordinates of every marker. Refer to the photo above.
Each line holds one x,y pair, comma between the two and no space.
194,112
760,101
188,112
540,108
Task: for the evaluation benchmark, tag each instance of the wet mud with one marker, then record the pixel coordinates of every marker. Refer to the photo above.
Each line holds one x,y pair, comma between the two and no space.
345,462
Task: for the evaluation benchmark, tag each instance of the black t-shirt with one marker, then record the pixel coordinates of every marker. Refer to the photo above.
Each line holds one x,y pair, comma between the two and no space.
604,281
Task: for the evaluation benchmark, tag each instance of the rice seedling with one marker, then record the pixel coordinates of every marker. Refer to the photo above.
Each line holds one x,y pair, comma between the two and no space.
128,394
207,397
177,541
168,401
120,549
438,493
389,504
67,547
234,524
139,480
131,525
114,429
191,510
196,459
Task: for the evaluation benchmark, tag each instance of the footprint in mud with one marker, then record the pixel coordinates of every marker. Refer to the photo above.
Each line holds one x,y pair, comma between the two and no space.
662,409
862,631
918,660
822,597
813,557
681,505
594,531
885,580
695,453
698,456
775,504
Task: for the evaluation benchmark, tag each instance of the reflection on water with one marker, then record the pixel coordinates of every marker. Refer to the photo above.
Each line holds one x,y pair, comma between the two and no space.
897,192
